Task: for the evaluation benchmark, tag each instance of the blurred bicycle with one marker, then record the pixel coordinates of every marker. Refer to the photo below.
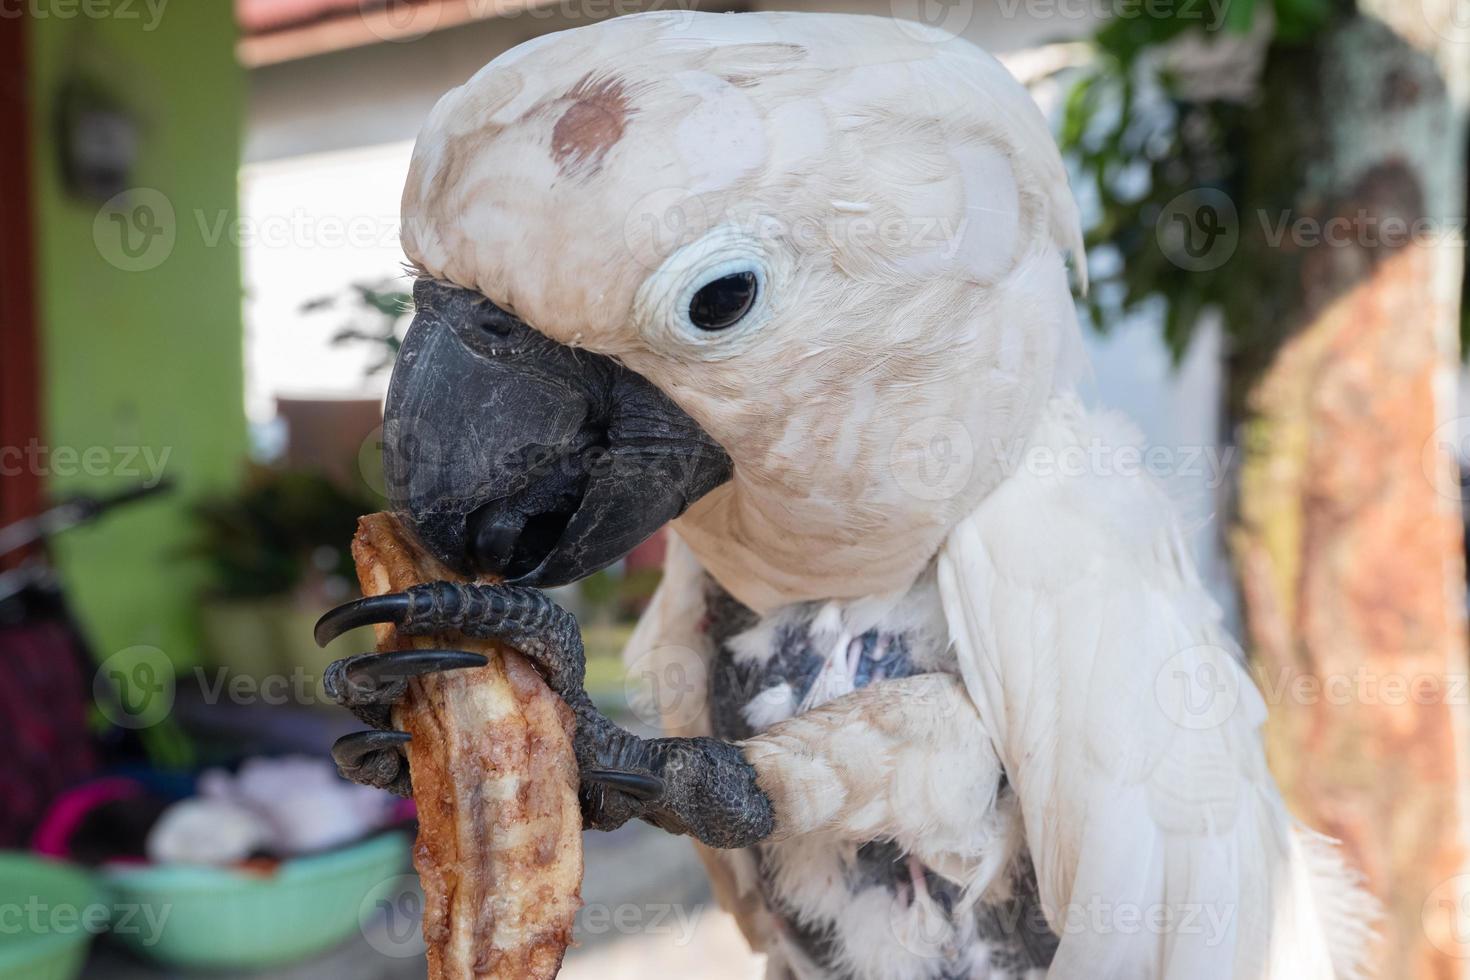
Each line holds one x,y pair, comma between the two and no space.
49,689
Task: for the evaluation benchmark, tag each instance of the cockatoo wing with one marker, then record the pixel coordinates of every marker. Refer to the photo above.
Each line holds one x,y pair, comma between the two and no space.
1129,728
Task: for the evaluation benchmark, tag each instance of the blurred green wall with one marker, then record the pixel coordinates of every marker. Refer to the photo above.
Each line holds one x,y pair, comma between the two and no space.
142,341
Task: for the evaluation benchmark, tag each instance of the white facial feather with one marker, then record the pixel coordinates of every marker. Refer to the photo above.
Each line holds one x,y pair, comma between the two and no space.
899,198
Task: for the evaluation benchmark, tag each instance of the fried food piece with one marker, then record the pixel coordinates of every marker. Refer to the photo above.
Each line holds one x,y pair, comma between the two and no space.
499,850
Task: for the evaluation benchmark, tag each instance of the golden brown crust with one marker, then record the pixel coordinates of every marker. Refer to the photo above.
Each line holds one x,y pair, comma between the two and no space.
499,850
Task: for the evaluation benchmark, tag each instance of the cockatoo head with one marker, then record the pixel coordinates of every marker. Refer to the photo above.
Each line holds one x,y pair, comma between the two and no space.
797,277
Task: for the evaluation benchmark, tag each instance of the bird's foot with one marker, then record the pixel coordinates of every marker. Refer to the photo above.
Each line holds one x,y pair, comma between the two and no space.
698,786
369,685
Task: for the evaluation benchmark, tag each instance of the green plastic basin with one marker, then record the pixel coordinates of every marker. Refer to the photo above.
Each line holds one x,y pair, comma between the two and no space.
49,912
218,918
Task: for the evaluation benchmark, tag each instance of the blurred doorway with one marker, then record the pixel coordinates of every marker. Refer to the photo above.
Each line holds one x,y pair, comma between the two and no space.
20,423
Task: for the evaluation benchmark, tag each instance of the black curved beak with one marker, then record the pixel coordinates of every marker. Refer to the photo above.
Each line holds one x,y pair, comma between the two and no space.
512,455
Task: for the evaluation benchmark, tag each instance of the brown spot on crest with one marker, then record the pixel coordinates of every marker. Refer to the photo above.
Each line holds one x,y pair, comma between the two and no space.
591,125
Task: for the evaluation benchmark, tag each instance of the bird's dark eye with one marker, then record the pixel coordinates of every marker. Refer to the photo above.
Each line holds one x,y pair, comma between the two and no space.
491,331
495,322
720,304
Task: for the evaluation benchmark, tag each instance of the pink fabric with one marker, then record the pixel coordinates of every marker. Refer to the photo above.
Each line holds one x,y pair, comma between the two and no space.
67,813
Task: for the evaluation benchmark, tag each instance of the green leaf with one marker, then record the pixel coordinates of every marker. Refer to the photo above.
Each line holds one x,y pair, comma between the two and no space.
1077,113
1297,20
1239,15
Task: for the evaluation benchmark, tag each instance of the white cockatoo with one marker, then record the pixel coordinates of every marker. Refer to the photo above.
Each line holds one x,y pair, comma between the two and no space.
951,700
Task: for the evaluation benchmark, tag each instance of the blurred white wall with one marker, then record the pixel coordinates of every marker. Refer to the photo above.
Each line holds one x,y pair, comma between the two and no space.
311,226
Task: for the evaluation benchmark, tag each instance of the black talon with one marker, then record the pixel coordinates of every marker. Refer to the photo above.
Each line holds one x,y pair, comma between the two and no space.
370,684
522,618
641,786
350,750
698,786
381,670
374,759
361,612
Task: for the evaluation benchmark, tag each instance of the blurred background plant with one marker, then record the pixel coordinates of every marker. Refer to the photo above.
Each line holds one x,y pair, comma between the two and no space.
281,532
277,553
378,314
1164,114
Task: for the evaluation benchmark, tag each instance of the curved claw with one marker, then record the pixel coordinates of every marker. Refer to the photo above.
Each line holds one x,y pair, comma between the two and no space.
377,671
349,750
391,608
641,786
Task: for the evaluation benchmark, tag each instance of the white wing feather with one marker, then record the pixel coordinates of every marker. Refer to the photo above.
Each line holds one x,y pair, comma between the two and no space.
1129,728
